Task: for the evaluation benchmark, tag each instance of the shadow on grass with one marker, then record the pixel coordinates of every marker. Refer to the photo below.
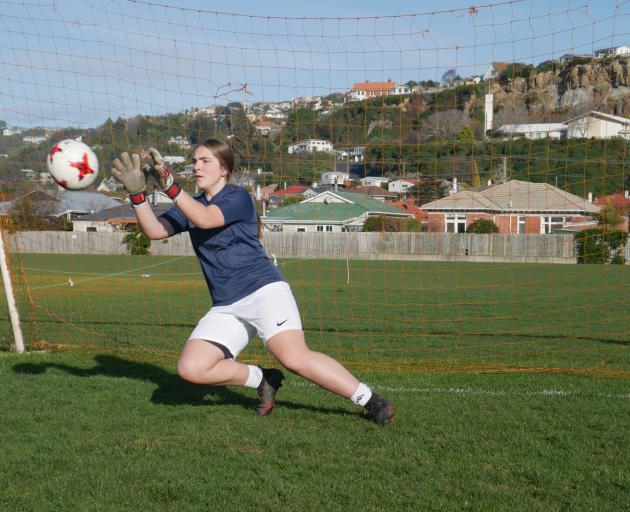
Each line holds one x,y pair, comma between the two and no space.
171,389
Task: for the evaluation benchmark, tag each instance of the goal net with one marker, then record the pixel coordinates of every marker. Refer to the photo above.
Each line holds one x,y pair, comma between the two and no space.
427,182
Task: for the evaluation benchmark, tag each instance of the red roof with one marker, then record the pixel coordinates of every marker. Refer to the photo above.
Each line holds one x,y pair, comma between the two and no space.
291,190
409,207
374,86
618,200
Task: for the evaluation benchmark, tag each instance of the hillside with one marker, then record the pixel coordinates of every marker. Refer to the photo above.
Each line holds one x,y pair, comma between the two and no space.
437,135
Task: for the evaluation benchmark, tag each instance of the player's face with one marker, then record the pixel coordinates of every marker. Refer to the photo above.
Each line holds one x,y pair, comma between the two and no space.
209,173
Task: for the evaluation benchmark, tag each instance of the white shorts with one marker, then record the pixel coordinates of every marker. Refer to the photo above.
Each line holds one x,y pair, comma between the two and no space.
268,311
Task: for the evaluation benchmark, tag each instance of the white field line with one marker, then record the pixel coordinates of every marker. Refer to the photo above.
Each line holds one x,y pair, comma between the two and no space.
488,392
99,276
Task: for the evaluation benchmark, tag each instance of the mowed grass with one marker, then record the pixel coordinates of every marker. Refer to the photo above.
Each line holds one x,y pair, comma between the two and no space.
511,383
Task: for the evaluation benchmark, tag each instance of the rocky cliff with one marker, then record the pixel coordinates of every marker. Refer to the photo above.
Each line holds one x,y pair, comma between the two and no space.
599,84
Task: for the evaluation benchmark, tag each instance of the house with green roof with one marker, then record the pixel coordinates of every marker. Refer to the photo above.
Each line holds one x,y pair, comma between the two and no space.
329,212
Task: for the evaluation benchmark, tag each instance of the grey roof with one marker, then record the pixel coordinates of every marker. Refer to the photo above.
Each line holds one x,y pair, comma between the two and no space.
514,196
56,203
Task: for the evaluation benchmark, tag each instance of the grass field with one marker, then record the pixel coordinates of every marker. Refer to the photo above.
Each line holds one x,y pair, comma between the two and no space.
511,381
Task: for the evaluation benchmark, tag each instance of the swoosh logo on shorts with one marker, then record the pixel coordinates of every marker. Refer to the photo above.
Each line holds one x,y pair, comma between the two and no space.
280,323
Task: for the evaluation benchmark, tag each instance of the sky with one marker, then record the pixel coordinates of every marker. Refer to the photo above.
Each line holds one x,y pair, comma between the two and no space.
77,63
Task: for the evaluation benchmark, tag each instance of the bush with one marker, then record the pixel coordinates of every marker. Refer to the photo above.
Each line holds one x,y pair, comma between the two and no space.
597,246
383,224
137,242
482,226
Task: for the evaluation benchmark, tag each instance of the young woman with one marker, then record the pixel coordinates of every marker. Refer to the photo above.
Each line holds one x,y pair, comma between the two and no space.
249,294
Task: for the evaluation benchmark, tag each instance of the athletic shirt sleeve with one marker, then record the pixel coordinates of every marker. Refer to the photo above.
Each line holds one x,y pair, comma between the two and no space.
176,219
236,205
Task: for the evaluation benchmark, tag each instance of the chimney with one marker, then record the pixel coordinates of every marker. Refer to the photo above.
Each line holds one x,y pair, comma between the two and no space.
258,194
625,194
489,182
590,197
454,184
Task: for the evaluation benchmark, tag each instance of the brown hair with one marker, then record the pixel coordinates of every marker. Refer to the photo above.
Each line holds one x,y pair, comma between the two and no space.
222,151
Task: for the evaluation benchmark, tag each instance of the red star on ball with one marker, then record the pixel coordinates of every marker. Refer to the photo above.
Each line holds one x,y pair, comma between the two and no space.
83,166
55,149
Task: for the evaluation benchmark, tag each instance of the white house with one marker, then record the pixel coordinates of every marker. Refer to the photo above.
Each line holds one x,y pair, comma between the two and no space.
598,125
310,146
494,70
34,139
180,141
615,50
401,89
534,131
334,178
373,181
400,186
366,90
173,159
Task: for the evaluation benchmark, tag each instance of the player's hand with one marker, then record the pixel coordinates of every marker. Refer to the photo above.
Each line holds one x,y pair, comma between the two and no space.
127,171
161,174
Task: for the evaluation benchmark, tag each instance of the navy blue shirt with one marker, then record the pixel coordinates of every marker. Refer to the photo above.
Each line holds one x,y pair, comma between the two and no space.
232,258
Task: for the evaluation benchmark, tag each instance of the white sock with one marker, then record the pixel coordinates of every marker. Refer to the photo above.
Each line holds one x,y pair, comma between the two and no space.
255,376
362,394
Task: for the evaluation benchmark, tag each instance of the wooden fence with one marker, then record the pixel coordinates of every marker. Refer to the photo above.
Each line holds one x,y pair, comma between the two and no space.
371,246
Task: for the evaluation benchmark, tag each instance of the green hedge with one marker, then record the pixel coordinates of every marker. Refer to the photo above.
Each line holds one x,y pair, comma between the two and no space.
596,246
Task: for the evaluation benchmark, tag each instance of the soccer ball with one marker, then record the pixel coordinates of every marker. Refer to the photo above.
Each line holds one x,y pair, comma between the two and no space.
72,164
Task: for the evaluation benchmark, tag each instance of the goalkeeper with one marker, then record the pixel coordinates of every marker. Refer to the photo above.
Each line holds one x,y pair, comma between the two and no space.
249,294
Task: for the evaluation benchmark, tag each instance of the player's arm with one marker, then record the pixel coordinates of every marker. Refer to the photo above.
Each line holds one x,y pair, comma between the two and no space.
127,170
204,217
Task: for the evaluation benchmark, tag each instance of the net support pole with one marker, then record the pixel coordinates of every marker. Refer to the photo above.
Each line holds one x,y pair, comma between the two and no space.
8,290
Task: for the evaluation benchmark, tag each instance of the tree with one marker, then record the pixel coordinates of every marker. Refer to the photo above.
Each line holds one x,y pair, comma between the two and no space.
482,226
608,218
137,242
444,124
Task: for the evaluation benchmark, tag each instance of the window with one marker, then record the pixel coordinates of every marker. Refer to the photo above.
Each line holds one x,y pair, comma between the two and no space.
328,228
320,229
455,223
549,224
300,230
520,225
91,229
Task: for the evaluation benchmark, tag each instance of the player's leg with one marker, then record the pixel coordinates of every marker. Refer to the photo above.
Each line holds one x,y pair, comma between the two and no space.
290,348
202,362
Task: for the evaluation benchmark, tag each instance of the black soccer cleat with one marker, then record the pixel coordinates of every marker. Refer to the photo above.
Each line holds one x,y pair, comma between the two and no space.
380,409
271,382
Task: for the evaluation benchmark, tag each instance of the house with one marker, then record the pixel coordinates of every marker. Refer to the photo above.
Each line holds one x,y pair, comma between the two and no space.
110,184
367,90
557,131
71,204
265,128
615,50
117,218
401,90
574,58
401,186
173,159
329,212
378,193
621,201
373,181
515,207
334,178
179,141
279,196
494,70
34,139
310,146
410,207
598,125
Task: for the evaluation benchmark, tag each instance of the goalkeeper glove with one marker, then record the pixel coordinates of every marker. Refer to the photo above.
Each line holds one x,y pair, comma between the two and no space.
162,175
127,171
